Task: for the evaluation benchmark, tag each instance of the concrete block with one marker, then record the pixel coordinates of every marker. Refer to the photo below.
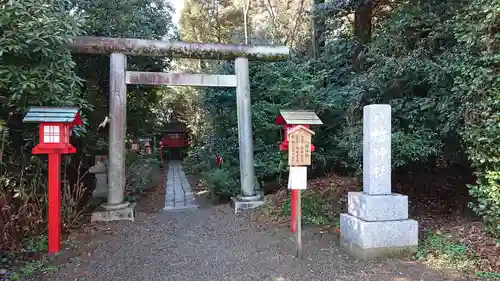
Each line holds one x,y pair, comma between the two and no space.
240,205
378,207
126,213
378,239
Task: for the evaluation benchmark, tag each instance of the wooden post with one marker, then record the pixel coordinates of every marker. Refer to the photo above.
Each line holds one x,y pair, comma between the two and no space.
117,130
154,144
54,203
299,224
299,157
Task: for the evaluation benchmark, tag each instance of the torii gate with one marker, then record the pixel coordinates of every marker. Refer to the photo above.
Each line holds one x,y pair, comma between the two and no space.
119,48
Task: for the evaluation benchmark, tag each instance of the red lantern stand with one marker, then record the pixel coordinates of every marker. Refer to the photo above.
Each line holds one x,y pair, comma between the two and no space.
54,133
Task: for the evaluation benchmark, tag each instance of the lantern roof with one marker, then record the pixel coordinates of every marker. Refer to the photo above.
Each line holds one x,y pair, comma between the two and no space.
297,117
45,114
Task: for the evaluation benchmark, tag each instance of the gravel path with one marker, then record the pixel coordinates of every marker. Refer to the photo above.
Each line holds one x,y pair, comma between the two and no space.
213,244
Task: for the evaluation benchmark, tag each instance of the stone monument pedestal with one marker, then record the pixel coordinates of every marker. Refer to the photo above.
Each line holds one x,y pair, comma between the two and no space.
378,239
377,224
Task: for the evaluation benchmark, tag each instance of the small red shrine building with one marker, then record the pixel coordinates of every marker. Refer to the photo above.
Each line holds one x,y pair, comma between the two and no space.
174,139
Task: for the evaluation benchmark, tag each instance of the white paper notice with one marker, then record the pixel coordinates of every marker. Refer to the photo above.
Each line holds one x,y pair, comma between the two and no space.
297,178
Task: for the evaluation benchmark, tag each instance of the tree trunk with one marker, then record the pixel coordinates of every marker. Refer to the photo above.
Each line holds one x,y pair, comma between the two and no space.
318,23
246,7
363,22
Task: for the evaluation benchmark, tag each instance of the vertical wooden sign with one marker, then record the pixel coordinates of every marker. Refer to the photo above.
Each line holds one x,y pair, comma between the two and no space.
299,146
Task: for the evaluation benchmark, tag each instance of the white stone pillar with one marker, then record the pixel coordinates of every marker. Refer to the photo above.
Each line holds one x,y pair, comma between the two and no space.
377,149
377,223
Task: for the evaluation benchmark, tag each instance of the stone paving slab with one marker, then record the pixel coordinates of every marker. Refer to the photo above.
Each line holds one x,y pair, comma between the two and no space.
178,192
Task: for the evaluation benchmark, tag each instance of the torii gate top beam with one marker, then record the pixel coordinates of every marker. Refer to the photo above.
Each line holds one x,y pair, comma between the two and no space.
141,47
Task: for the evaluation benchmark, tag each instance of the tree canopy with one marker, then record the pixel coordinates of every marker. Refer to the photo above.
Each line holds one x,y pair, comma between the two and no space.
434,62
36,68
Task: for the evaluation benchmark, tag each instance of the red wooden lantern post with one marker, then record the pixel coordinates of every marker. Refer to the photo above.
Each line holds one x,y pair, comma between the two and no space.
291,119
54,133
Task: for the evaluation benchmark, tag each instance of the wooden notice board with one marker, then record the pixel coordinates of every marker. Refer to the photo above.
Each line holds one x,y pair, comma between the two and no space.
299,146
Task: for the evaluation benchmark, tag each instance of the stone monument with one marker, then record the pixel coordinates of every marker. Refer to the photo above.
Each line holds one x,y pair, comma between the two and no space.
100,172
102,190
377,223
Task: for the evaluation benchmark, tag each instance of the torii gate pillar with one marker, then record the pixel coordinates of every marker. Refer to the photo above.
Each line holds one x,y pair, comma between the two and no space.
244,111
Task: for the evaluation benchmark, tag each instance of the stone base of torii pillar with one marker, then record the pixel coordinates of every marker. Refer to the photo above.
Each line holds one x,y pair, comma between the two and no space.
377,223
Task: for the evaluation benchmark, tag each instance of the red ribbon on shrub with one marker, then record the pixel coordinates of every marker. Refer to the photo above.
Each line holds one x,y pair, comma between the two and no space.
218,160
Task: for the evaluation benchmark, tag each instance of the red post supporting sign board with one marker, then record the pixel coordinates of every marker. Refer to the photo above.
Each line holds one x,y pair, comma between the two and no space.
55,126
290,119
293,210
298,143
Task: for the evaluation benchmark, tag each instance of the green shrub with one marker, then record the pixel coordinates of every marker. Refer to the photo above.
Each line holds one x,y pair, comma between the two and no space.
439,250
478,83
483,142
313,209
487,193
434,62
222,183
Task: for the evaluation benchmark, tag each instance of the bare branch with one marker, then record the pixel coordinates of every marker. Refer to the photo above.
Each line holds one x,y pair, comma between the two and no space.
297,22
